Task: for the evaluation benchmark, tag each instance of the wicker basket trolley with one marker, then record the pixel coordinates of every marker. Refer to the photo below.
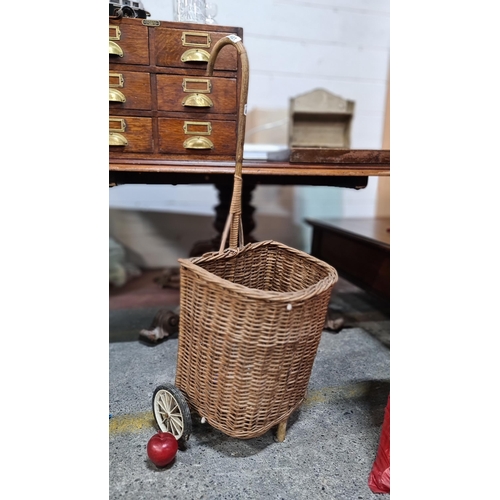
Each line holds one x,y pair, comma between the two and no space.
251,318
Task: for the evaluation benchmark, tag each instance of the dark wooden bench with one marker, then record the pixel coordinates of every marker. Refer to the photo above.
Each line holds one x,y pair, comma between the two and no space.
357,248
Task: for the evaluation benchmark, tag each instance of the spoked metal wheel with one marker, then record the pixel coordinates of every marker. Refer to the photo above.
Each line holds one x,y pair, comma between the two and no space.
171,411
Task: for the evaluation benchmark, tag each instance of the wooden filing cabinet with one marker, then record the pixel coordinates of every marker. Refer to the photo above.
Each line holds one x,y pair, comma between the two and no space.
162,105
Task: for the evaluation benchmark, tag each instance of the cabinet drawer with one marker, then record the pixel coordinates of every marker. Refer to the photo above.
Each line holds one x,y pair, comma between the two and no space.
191,49
130,134
197,95
128,44
129,90
190,137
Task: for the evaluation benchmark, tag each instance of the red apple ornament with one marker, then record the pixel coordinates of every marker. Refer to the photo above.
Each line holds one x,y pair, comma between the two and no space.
162,448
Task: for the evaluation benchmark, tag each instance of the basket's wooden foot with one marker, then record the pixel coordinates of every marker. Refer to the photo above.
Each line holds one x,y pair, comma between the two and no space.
281,432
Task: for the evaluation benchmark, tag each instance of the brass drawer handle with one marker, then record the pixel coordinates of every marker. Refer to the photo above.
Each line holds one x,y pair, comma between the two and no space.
195,55
115,49
117,139
198,143
116,96
198,101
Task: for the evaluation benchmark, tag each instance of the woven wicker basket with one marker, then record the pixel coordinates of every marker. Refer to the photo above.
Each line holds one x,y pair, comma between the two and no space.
251,319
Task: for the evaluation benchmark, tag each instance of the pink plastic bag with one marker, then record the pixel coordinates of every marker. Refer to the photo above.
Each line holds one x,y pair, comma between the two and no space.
379,480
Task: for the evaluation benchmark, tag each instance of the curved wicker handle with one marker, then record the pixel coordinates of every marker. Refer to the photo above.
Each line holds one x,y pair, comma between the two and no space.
233,225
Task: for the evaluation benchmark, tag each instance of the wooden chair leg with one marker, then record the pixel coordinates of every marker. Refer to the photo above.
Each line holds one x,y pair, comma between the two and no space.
281,432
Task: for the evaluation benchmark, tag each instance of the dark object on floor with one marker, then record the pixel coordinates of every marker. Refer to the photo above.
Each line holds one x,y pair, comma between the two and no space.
169,278
165,324
334,324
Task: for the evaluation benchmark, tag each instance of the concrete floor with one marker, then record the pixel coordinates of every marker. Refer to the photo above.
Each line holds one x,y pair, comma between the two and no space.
331,440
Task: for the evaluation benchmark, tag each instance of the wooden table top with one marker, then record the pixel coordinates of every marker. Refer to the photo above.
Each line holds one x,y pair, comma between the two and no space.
354,166
350,162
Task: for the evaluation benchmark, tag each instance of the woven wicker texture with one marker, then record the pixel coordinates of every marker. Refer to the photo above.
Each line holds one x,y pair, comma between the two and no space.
250,323
251,317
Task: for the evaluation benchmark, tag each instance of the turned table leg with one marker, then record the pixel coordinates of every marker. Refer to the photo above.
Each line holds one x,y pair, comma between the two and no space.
221,212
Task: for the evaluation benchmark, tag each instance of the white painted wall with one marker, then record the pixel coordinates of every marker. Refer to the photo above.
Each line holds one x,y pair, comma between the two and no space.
294,46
